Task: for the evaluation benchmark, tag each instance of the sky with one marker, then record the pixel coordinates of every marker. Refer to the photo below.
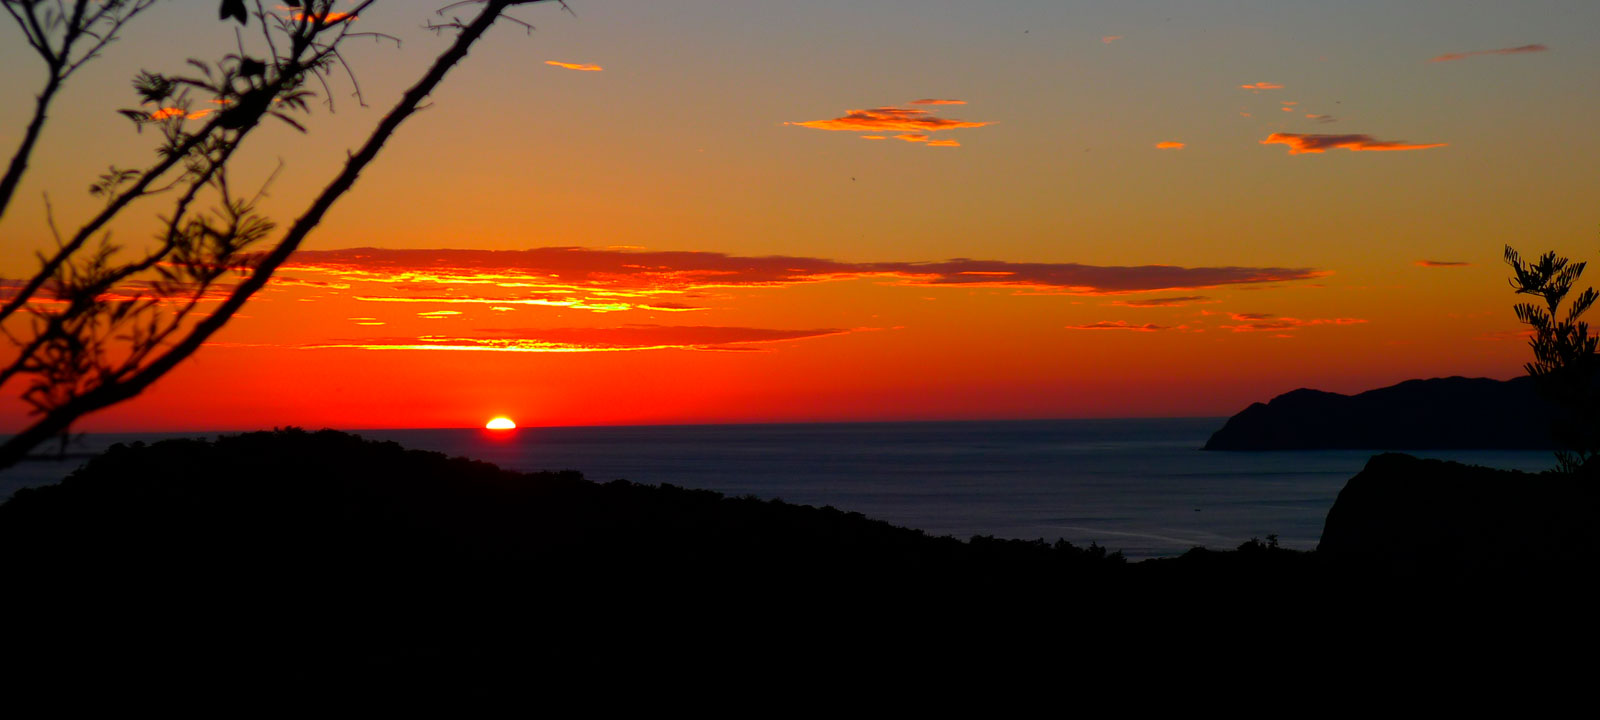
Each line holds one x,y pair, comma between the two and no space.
697,212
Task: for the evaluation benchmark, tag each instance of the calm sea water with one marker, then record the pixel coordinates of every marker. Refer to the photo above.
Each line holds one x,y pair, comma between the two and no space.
1140,486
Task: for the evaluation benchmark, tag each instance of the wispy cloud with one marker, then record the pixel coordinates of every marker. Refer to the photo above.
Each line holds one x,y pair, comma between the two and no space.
1518,50
1301,144
615,279
1261,86
1267,322
1163,301
914,121
1441,263
1119,325
1320,118
1108,39
586,67
579,339
1169,145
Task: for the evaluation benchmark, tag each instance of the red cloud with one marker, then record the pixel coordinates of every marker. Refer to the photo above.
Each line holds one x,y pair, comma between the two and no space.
1441,263
1262,86
1267,322
936,101
1169,145
1520,49
1163,302
608,339
1119,325
567,276
1300,144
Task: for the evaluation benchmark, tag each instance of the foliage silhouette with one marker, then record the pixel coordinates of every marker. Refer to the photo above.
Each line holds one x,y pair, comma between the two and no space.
93,328
1565,363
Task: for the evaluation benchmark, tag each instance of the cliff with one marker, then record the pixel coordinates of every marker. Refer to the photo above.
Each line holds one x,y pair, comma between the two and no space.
1439,413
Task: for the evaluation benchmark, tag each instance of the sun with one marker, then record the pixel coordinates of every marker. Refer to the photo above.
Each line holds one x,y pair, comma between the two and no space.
501,423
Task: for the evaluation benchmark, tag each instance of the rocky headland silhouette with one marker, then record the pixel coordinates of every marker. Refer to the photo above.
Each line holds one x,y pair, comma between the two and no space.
1437,413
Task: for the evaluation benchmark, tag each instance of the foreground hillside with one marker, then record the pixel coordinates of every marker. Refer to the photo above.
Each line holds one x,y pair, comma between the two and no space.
333,559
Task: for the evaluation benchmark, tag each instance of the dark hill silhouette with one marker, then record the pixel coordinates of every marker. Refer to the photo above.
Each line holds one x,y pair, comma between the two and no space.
305,564
1439,413
1431,519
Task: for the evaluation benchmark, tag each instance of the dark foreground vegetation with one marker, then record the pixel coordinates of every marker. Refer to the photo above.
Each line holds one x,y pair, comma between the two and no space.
321,560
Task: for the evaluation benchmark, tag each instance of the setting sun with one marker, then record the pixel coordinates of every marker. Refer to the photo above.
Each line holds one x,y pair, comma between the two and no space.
501,423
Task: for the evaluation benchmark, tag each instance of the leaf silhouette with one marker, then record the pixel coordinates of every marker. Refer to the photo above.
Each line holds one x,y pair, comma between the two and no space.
233,9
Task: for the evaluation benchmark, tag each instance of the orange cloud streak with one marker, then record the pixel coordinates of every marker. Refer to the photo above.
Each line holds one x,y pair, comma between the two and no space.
564,275
936,101
1267,322
1301,144
1163,302
1170,145
1441,263
889,119
585,67
578,339
1520,49
1119,325
1261,86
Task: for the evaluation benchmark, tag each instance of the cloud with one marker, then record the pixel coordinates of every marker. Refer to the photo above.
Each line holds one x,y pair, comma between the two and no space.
1518,50
944,143
1163,301
1267,322
874,137
1169,145
936,101
1441,263
615,279
913,137
1110,39
1320,118
580,339
586,67
1119,325
1261,86
1300,144
885,119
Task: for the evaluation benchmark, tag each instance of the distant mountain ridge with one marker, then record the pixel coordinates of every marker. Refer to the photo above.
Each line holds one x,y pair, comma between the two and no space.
1438,413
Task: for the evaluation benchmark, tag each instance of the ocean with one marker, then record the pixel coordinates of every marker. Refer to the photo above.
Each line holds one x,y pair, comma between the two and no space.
1139,486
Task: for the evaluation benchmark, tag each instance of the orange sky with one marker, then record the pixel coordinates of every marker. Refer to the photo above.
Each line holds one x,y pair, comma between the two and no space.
644,215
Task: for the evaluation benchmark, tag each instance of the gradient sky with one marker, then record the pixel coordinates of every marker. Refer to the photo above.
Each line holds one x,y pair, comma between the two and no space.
774,211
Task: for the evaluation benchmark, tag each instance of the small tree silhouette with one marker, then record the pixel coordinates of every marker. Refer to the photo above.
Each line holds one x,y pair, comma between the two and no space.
1564,360
95,327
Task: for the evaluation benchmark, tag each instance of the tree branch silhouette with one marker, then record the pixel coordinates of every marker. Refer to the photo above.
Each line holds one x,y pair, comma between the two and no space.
69,352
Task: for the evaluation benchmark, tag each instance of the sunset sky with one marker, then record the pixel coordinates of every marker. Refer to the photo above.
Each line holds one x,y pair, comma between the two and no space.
762,211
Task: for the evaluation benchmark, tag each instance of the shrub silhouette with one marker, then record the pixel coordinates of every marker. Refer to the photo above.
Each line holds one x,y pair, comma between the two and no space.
1564,360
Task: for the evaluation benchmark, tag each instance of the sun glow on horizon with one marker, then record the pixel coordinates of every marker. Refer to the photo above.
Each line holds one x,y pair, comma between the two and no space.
501,423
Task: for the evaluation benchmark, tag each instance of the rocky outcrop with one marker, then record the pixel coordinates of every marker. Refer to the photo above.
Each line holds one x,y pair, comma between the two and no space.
1410,517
